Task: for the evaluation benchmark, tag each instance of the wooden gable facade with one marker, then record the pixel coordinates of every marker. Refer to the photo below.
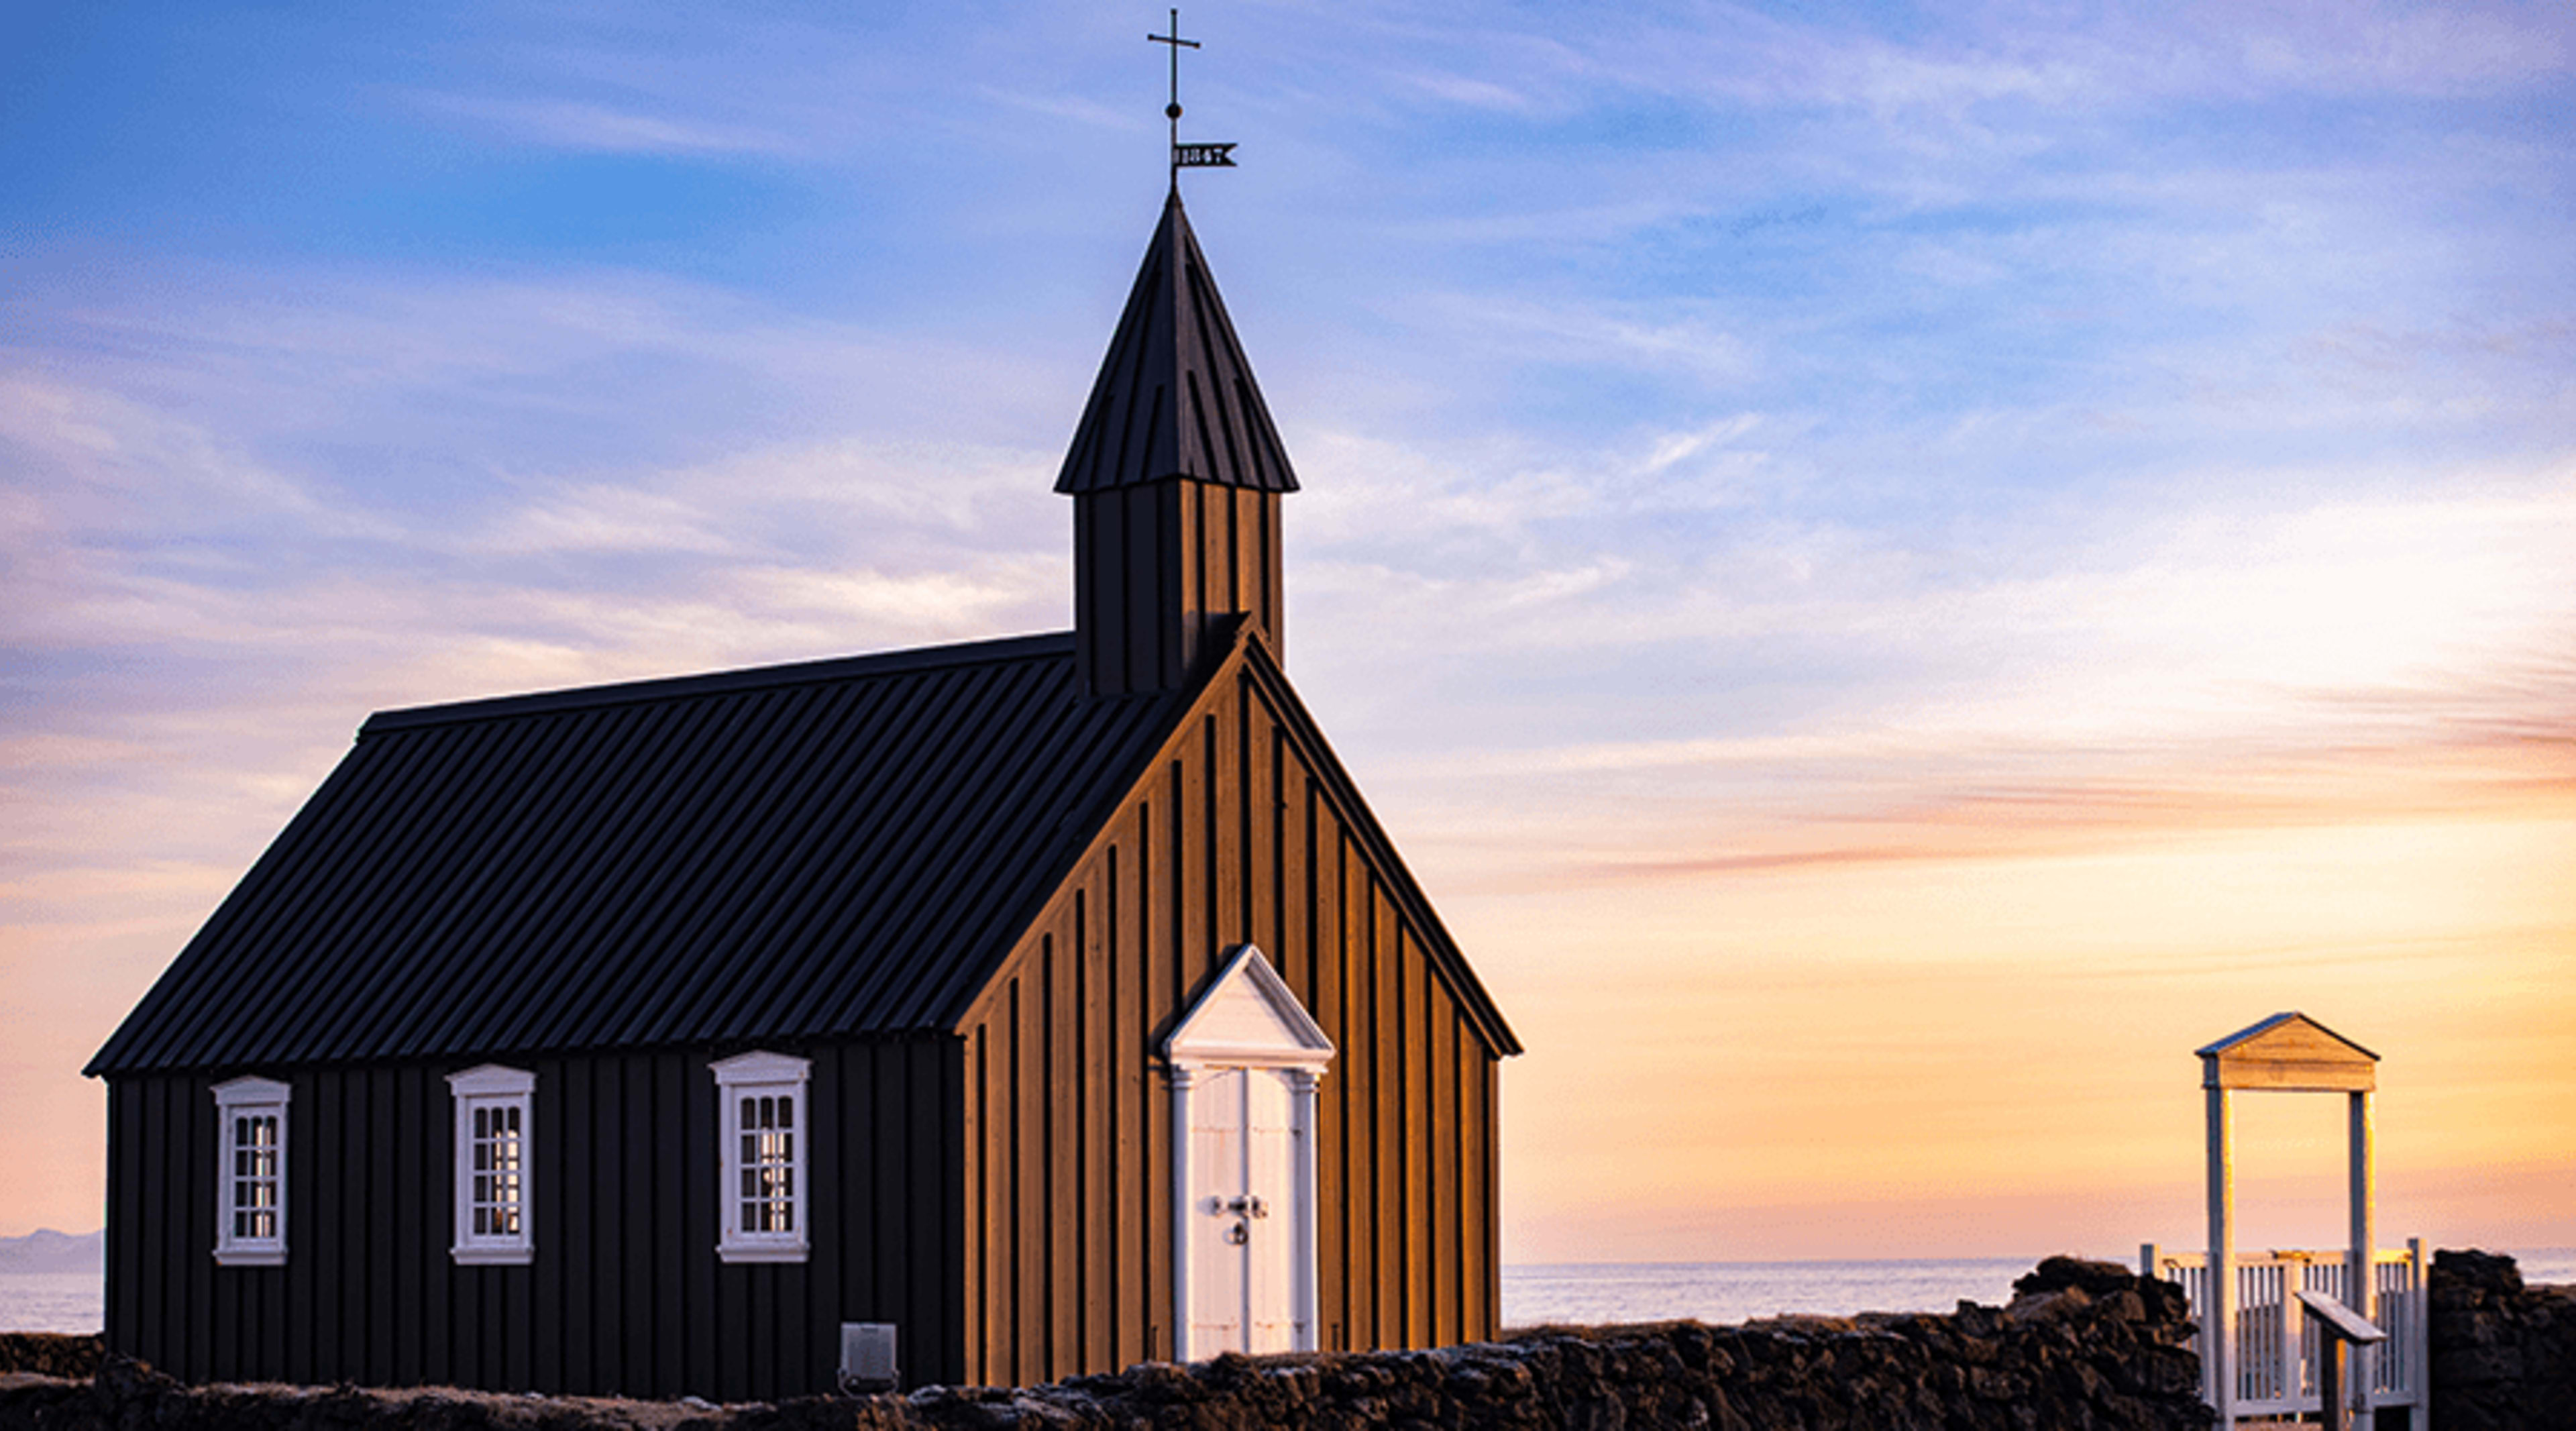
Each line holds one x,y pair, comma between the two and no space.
1243,830
439,1093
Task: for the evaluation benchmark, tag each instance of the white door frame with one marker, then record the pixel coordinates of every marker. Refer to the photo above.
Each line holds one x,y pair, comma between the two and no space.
1248,1019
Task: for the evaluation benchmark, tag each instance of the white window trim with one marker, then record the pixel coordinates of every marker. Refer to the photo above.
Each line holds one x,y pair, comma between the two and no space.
241,1096
492,1086
762,1075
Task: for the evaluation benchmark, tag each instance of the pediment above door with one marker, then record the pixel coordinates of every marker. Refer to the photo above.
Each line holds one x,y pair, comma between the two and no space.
1249,1018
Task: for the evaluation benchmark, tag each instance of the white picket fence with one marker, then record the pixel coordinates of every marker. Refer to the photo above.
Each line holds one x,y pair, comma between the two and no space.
2274,1354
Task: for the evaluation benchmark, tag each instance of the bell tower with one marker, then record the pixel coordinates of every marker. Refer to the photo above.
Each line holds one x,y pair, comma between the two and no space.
1176,474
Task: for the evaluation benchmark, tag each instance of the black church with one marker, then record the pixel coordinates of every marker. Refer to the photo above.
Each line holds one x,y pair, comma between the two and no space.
1054,1001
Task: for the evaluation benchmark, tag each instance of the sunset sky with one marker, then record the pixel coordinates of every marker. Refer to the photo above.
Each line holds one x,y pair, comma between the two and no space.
1893,570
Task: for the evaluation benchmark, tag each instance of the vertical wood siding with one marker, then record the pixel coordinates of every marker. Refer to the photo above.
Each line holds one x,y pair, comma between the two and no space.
626,1294
1155,565
1068,1162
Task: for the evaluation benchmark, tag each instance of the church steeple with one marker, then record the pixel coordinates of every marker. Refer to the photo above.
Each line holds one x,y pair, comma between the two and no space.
1176,474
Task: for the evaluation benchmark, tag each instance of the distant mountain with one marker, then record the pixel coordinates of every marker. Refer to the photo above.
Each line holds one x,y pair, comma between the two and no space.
45,1250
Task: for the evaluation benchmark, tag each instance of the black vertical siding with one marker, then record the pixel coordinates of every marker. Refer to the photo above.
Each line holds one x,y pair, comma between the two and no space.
626,1294
1157,567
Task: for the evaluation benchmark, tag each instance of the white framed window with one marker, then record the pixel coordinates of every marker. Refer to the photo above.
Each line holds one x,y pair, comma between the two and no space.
761,1109
250,1172
495,1174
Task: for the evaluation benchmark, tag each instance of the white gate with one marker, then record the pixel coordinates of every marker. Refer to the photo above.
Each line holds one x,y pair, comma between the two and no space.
2274,1352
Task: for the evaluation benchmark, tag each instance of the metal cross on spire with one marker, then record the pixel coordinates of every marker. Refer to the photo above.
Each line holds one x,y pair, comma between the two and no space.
1187,156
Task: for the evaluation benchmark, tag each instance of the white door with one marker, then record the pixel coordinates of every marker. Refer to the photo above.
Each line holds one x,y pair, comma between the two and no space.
1244,1064
1242,1215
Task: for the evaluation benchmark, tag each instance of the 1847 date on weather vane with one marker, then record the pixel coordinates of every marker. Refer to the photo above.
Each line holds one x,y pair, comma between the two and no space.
1187,156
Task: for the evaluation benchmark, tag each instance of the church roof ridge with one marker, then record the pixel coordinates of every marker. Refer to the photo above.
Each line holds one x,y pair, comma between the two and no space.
1053,644
1175,396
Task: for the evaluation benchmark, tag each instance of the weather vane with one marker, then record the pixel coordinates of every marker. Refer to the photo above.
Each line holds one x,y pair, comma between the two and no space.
1187,156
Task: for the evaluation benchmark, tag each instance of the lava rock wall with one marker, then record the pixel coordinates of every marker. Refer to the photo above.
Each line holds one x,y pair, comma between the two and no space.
51,1353
2083,1345
2504,1355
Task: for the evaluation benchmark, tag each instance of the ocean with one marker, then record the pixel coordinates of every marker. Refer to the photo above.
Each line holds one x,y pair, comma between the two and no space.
1595,1293
1580,1293
51,1301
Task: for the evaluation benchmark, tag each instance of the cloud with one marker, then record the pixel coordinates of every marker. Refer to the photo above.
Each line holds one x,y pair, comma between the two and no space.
117,462
2391,48
2026,511
1650,337
2111,56
1471,92
1068,107
591,127
1844,700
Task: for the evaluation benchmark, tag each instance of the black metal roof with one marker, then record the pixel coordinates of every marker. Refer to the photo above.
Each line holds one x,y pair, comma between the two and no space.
676,849
1175,395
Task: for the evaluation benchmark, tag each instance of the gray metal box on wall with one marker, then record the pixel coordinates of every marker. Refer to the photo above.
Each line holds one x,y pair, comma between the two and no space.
868,1356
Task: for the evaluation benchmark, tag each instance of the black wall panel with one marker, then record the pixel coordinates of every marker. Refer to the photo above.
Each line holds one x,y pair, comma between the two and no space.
626,1294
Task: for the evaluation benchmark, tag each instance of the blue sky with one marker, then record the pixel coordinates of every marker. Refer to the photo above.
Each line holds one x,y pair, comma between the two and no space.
1996,522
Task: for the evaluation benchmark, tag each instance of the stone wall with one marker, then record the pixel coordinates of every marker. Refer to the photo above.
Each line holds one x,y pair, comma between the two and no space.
2083,1345
51,1353
2504,1355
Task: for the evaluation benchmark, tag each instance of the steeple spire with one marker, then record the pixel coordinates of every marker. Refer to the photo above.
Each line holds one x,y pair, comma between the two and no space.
1175,396
1176,473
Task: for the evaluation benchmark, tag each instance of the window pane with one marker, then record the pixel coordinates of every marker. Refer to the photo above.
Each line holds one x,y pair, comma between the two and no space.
763,1160
495,1189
